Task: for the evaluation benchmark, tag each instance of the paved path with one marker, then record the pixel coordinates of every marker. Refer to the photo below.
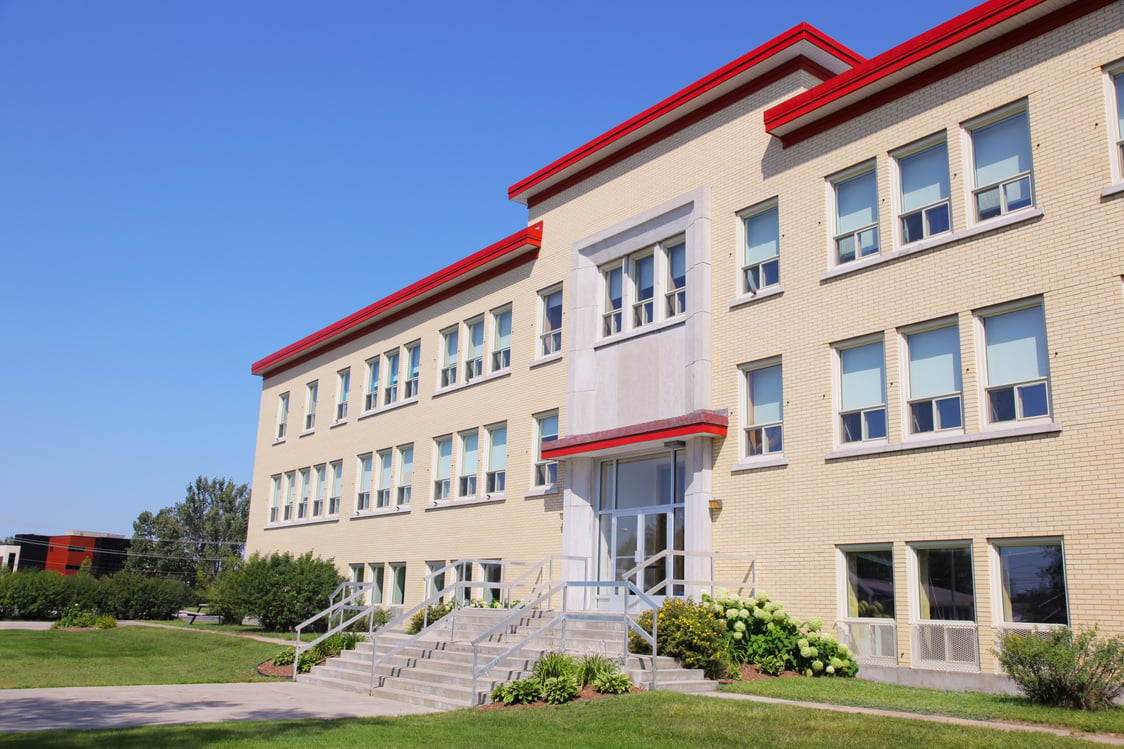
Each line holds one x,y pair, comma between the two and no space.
84,708
38,626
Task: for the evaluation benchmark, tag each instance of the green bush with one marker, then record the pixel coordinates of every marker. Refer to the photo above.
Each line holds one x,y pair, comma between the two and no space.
554,665
432,613
75,617
520,692
223,596
690,632
280,590
613,683
132,595
592,667
105,621
559,689
285,657
1064,668
39,594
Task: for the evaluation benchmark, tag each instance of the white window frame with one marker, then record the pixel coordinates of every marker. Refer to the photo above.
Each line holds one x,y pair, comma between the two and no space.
443,485
450,359
364,477
411,377
290,496
392,375
635,313
343,392
550,338
404,476
833,182
501,355
986,387
745,388
474,365
545,472
995,576
468,476
908,401
371,396
496,479
612,317
969,129
1112,72
378,577
643,310
837,362
398,580
896,156
274,498
311,395
282,417
305,495
384,468
335,492
913,573
675,297
757,268
320,493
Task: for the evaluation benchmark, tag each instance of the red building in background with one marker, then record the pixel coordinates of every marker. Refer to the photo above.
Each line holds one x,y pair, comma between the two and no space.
65,553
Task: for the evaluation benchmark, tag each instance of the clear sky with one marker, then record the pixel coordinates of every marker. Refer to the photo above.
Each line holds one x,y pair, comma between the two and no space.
186,187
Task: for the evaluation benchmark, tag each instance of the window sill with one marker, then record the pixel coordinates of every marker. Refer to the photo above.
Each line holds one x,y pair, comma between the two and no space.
307,433
541,491
1113,189
384,409
765,293
381,512
278,442
640,332
449,504
475,381
338,423
298,523
1018,217
953,439
757,463
556,356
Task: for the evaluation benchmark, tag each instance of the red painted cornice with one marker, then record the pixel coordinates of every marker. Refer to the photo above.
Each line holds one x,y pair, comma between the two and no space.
521,247
696,423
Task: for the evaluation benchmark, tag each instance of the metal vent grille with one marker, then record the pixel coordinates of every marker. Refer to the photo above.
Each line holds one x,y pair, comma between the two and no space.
870,640
946,646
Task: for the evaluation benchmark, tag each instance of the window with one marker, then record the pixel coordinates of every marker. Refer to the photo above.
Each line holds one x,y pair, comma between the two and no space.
761,261
363,497
306,491
934,380
474,355
764,416
1001,164
856,216
469,464
945,584
614,300
371,399
501,327
497,459
337,487
321,492
1117,88
1017,364
1032,588
925,207
343,385
398,575
862,390
290,495
435,574
390,392
405,474
274,498
870,583
443,467
312,390
493,573
450,350
546,471
676,294
413,362
644,290
376,582
382,493
550,337
282,415
356,573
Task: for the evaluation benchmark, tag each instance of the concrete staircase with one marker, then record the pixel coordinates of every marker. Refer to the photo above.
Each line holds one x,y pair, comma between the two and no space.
436,669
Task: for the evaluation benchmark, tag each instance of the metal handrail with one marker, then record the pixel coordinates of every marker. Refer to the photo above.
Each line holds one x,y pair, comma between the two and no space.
367,610
633,573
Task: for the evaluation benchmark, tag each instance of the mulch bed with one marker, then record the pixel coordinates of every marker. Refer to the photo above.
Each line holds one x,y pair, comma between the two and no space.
266,668
587,693
750,672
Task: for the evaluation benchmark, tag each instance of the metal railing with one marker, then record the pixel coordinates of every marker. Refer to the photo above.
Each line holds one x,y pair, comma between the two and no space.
560,620
356,601
678,585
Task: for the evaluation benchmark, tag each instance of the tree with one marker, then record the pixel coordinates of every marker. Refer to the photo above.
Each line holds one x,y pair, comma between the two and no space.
189,540
280,590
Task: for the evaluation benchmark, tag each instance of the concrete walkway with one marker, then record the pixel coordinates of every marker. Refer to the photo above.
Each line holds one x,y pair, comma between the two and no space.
84,708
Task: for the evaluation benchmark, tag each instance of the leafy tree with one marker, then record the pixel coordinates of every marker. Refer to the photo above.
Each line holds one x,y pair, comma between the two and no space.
280,590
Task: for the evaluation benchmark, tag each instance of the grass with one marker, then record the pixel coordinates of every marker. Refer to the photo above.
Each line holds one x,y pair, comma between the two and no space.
643,721
973,705
235,629
126,655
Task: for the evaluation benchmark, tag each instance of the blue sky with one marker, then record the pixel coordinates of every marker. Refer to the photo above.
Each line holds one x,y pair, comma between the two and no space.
188,187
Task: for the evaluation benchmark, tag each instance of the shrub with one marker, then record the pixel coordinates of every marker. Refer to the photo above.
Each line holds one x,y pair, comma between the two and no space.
41,594
521,692
1064,668
132,595
223,596
690,632
613,683
76,617
432,613
593,667
308,659
281,590
773,665
105,621
555,665
559,689
285,657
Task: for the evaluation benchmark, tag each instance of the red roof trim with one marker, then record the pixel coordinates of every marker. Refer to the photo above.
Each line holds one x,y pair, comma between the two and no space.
694,423
508,253
937,40
795,35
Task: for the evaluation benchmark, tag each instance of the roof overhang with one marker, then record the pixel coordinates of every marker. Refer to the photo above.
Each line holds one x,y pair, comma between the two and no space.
802,47
636,438
982,32
521,247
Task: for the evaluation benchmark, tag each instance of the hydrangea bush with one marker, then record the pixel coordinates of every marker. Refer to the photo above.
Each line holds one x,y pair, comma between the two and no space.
761,632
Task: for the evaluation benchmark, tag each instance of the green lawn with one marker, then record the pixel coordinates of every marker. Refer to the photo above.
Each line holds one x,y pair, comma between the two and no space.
126,655
235,629
974,705
643,721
